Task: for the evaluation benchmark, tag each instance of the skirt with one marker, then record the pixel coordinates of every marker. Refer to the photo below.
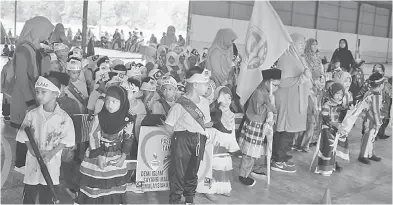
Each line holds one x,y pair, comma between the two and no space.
106,185
251,140
324,159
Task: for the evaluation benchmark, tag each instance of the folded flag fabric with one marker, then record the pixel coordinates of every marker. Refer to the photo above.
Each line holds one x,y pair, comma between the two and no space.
82,126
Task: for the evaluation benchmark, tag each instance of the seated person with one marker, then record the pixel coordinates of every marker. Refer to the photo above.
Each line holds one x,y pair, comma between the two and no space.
6,50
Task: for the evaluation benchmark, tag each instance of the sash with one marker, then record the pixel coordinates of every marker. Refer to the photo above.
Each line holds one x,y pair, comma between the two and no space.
165,105
193,110
78,95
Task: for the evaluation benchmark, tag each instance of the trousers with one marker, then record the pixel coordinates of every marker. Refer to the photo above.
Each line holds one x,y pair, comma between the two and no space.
282,142
30,193
186,155
368,138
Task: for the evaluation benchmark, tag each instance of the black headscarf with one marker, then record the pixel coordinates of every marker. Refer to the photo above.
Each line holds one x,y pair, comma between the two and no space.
112,123
344,55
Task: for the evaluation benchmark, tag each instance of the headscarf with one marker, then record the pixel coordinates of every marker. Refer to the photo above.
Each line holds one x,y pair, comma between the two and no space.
344,55
223,44
313,60
333,89
175,63
35,30
58,35
112,123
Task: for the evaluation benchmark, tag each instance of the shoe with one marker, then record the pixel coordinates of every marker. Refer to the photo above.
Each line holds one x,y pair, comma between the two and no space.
290,164
247,181
383,137
211,197
282,167
375,158
259,175
364,160
338,168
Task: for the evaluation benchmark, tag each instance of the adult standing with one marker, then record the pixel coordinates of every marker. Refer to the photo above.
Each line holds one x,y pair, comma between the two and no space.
170,37
182,41
312,57
162,41
220,54
153,40
69,35
345,56
29,62
291,100
58,35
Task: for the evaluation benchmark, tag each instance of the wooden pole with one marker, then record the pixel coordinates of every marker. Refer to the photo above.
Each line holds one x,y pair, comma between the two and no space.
16,9
84,26
99,26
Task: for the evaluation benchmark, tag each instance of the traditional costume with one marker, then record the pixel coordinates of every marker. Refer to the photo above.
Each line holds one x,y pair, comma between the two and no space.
111,136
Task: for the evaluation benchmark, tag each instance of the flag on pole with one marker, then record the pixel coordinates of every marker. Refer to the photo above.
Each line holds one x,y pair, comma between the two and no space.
266,40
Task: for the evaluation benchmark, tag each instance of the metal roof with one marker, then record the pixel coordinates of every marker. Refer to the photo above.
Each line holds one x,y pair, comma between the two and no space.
381,4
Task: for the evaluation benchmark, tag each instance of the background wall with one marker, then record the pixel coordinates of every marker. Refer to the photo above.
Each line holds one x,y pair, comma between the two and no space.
327,21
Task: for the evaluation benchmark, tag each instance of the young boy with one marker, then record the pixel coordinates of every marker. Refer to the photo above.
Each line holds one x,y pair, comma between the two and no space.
187,121
52,131
251,142
373,117
76,89
61,51
168,97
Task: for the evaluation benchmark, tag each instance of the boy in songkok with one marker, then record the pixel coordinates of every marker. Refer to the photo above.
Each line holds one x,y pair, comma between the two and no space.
187,121
76,89
251,141
52,130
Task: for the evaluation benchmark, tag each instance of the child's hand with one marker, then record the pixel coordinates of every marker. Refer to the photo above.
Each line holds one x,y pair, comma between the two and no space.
101,162
47,156
120,161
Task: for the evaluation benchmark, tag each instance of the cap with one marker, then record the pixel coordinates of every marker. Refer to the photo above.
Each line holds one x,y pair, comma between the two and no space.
168,80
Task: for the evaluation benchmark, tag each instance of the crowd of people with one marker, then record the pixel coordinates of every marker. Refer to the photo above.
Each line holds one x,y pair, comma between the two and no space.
85,113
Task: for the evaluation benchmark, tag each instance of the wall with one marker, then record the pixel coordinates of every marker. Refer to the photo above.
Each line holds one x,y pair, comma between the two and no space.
335,20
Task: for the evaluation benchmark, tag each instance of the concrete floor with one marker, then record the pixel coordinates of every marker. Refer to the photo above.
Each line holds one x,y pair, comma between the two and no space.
356,184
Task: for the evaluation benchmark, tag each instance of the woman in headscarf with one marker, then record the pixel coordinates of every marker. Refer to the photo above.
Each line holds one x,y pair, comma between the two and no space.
58,35
29,63
344,55
170,37
219,57
312,57
291,99
172,64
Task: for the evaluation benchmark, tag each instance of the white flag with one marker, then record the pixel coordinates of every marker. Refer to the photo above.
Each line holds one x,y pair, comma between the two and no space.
266,40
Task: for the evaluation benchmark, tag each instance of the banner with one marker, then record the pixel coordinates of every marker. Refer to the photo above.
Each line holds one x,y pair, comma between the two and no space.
266,40
154,157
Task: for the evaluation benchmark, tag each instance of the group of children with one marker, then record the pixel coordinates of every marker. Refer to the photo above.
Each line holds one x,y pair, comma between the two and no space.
113,99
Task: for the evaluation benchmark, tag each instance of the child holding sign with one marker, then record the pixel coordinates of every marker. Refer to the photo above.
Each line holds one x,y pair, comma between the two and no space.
187,120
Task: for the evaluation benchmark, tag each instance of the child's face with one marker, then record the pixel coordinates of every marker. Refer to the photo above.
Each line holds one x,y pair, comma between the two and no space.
201,88
74,74
62,54
225,99
45,96
171,59
338,96
275,85
337,65
378,69
347,83
209,91
320,82
132,95
54,65
147,93
168,91
112,104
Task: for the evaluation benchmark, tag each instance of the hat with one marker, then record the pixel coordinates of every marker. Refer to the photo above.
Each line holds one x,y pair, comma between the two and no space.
203,77
63,78
42,82
168,80
194,52
139,65
120,67
151,85
59,46
273,73
376,79
74,64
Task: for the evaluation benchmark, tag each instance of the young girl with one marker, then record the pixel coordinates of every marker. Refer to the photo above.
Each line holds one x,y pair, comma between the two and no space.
324,160
225,143
104,170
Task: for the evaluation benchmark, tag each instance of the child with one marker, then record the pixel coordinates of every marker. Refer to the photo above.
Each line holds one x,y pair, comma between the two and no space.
187,120
103,67
225,143
168,98
61,51
148,89
374,119
52,131
104,170
324,160
76,89
251,142
302,143
334,68
357,78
